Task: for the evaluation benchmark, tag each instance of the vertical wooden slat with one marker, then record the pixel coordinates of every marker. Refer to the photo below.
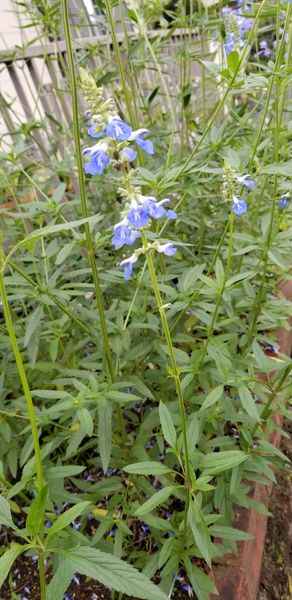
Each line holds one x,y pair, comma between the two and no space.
25,104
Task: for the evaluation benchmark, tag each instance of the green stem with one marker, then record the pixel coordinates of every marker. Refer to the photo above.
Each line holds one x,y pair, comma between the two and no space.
30,406
278,117
89,242
221,292
24,381
266,410
175,370
119,61
42,577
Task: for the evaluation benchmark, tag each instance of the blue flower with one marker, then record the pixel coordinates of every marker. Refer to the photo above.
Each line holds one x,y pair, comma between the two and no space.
146,145
92,130
127,265
239,206
246,180
229,45
98,158
138,216
264,49
155,209
118,129
128,154
167,249
48,524
124,235
285,199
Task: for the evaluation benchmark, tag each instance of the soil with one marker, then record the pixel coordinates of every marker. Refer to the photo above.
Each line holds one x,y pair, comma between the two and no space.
276,573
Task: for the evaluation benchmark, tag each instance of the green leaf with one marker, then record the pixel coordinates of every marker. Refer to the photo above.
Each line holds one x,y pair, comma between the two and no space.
32,323
193,431
149,467
262,360
64,252
240,277
112,572
105,434
228,533
200,530
86,420
222,461
213,397
155,500
122,397
166,551
62,471
284,168
60,581
233,61
167,425
7,560
5,513
36,512
248,402
67,517
43,231
200,582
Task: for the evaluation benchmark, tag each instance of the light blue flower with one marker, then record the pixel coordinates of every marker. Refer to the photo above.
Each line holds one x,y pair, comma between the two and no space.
138,216
285,199
246,180
230,43
98,158
146,145
127,265
128,154
96,134
168,249
155,209
239,206
118,129
123,235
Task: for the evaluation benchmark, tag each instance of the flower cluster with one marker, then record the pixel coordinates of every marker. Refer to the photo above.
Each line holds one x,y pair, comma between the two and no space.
236,28
114,134
231,184
114,129
137,215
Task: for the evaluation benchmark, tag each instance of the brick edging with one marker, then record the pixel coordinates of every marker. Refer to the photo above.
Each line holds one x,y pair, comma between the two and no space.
237,576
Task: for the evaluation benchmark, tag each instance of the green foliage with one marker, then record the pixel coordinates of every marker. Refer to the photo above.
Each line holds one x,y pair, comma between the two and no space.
149,441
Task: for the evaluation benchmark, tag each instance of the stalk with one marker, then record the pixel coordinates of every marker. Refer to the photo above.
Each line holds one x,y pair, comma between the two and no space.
278,117
266,410
175,370
30,407
221,292
88,238
119,61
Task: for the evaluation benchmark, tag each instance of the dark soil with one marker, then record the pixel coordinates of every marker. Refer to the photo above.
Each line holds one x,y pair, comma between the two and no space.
276,574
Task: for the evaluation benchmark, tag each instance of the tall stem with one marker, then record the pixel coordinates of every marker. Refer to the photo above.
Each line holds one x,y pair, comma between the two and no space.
266,410
23,379
119,62
221,292
88,238
30,406
278,117
175,370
